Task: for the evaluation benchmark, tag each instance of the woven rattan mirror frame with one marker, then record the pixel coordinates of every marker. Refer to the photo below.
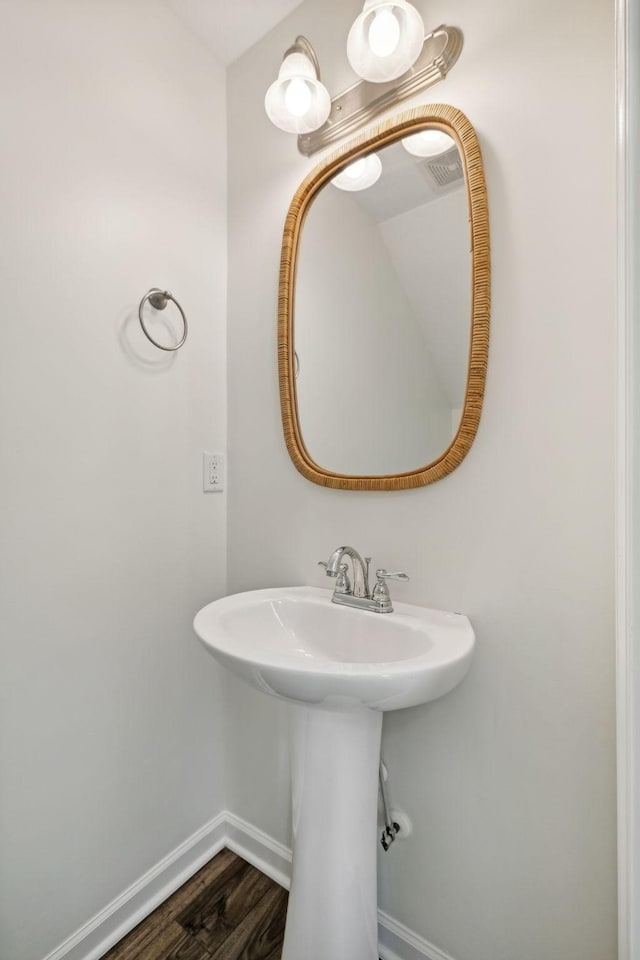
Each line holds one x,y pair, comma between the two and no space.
455,123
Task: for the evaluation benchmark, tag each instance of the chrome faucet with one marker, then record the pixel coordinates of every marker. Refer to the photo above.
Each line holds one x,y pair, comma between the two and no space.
378,601
360,571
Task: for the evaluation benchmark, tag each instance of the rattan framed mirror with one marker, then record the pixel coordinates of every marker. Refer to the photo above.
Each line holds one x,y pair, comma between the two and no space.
384,304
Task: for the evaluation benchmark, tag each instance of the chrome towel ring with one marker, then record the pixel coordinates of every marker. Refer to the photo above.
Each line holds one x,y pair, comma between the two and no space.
159,299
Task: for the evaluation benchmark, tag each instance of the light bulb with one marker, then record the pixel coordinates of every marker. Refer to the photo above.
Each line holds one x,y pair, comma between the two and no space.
360,174
428,143
297,102
297,97
356,169
385,40
384,33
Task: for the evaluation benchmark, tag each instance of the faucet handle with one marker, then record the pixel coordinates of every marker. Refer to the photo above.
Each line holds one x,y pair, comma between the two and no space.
343,584
383,575
322,563
381,590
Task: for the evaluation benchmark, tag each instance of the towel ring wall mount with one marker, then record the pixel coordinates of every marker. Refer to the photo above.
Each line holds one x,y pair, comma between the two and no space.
159,299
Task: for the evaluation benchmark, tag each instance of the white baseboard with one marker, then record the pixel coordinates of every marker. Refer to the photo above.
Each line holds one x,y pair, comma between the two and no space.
397,942
95,938
104,930
259,849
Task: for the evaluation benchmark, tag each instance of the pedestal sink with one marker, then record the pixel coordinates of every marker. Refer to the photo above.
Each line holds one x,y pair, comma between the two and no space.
343,667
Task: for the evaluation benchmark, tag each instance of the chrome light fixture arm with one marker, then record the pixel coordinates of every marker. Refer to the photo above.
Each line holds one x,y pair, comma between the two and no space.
302,45
363,101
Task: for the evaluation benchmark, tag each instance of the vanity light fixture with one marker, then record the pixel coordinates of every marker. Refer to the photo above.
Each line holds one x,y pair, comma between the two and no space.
297,102
428,143
386,39
360,174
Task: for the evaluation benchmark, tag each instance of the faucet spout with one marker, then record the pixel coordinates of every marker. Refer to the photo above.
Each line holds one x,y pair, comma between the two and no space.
360,570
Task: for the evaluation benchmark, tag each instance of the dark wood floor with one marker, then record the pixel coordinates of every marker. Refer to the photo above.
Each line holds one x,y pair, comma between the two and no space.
227,911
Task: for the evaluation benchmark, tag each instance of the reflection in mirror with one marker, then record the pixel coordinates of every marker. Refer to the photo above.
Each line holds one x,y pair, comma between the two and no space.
383,323
383,310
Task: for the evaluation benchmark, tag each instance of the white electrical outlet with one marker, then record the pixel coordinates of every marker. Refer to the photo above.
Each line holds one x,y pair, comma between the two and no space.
213,472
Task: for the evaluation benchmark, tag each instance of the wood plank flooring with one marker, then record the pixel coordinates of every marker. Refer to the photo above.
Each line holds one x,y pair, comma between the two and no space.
227,911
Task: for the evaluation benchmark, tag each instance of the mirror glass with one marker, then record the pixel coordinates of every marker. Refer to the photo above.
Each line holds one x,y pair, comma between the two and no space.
382,309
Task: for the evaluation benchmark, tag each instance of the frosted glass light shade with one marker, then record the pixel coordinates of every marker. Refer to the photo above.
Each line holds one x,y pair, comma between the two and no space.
385,40
297,101
360,174
428,143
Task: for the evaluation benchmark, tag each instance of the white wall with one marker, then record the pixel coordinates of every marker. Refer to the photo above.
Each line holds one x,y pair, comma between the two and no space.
510,780
430,248
112,179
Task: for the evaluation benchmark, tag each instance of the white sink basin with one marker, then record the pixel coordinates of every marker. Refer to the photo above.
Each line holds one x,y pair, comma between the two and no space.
343,666
293,643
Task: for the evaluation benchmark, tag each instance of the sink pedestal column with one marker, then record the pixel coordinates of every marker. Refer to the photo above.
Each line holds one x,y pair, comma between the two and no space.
332,911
